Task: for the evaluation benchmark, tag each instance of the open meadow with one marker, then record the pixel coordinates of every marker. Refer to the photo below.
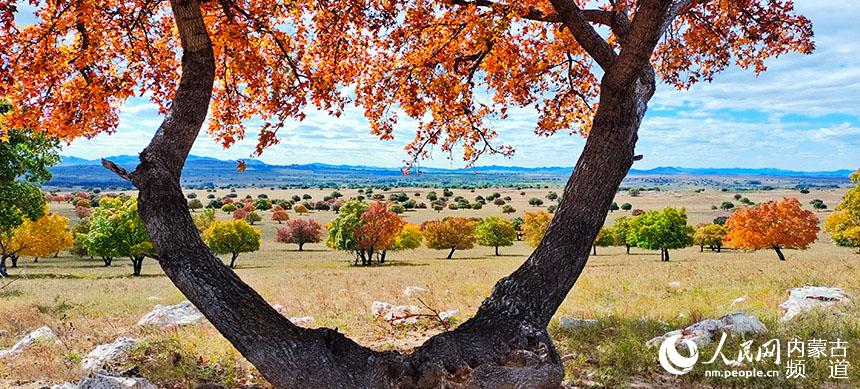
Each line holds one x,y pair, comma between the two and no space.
634,297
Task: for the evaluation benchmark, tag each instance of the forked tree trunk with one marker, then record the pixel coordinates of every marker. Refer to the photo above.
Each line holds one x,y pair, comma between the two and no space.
451,253
233,260
505,344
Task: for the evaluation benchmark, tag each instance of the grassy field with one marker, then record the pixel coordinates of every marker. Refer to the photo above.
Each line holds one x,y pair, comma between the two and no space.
631,295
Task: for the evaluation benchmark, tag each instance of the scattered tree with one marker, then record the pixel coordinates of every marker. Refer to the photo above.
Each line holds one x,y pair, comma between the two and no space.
232,237
775,225
604,239
300,232
535,225
626,206
116,230
494,231
662,231
619,232
451,233
44,237
710,235
844,223
517,51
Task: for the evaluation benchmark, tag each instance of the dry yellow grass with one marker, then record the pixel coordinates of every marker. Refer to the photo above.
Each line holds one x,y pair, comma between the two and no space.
87,304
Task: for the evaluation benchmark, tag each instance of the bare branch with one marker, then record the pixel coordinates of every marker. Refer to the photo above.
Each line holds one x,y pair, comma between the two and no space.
124,174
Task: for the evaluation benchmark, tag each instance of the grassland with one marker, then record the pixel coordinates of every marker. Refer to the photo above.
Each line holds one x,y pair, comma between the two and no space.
630,295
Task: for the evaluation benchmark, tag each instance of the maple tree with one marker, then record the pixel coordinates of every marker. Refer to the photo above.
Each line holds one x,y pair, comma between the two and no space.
494,231
450,233
619,232
368,231
775,225
409,238
844,223
45,236
300,232
604,239
534,227
69,73
710,235
24,160
232,237
279,214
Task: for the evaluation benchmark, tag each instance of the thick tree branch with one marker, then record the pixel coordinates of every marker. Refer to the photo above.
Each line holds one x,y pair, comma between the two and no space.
584,33
652,19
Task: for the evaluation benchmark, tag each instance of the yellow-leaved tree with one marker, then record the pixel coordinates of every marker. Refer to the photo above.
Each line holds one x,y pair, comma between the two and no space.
45,236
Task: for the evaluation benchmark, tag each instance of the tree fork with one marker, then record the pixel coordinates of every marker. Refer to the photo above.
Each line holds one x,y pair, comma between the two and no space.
506,343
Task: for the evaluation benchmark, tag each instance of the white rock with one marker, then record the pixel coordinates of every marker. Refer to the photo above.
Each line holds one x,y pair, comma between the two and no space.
302,321
42,334
66,385
395,314
739,300
153,298
379,308
572,323
448,315
674,284
105,355
281,309
103,381
707,330
808,297
172,315
412,291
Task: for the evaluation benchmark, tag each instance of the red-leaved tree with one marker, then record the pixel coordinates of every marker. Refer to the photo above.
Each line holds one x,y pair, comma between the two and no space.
299,232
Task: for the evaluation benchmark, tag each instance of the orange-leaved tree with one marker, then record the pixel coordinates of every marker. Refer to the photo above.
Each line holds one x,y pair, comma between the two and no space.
450,233
455,66
775,225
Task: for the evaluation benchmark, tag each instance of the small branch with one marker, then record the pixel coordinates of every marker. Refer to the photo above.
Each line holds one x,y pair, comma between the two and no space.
124,174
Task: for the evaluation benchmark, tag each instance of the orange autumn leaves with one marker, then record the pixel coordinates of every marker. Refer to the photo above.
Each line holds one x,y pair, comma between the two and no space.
772,225
454,68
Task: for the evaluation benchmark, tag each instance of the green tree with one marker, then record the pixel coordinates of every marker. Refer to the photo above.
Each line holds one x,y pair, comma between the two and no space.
604,239
662,231
232,237
626,206
116,230
619,232
494,231
24,160
613,207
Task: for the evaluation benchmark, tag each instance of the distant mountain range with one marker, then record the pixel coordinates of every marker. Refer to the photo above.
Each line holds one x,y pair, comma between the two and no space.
208,171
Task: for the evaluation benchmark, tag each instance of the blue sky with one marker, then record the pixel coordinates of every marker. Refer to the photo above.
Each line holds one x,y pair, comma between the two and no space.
802,114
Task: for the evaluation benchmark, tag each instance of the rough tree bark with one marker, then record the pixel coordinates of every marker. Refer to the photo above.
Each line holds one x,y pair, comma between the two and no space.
506,343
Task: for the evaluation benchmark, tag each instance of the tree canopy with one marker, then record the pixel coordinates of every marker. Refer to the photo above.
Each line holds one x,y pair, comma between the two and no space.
116,230
494,232
450,233
844,223
660,230
772,225
232,237
453,67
